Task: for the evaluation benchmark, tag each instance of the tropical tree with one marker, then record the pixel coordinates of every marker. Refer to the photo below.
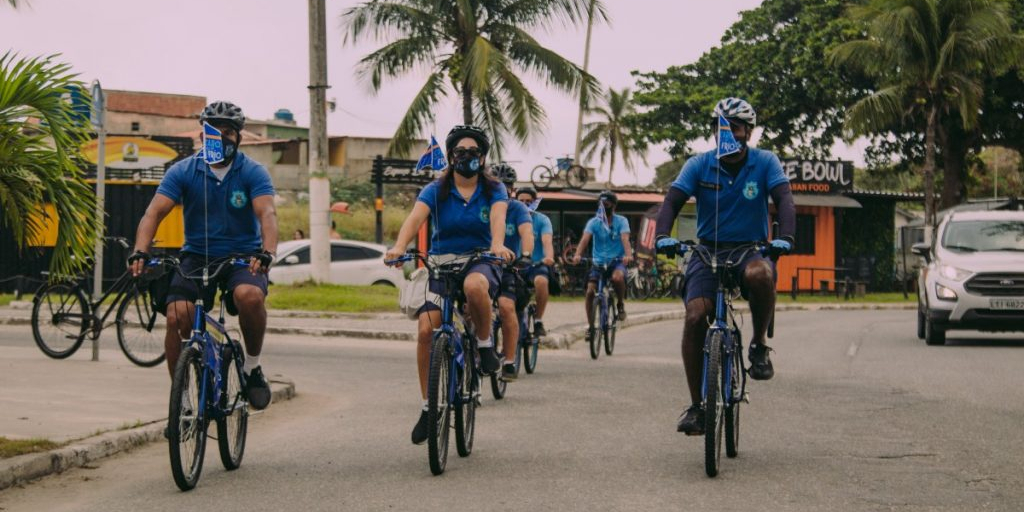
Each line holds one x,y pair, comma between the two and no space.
930,59
40,159
610,137
477,49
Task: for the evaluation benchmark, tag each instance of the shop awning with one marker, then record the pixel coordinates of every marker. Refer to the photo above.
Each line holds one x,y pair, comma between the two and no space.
825,200
624,197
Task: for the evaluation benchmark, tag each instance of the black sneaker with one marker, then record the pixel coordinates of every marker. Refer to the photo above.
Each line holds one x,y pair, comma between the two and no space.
760,363
257,391
691,421
538,329
509,373
419,432
489,361
621,316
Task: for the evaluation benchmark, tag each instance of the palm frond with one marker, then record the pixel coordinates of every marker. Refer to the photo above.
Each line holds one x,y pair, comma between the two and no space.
877,112
385,18
397,58
419,115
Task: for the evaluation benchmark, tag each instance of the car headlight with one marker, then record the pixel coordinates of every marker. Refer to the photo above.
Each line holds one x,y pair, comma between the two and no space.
951,272
944,293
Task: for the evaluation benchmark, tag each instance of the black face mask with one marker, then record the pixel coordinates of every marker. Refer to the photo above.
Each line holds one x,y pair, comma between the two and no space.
230,150
467,167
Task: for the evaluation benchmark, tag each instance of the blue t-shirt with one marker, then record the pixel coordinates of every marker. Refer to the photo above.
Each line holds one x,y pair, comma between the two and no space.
742,200
541,226
607,243
517,215
228,220
460,226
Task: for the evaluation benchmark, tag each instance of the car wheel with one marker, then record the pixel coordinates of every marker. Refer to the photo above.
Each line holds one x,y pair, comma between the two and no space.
383,282
933,335
920,322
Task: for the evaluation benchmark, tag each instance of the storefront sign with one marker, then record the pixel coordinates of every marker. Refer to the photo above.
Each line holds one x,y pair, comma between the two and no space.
819,177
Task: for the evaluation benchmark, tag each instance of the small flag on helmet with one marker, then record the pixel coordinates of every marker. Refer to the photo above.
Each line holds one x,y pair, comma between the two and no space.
433,158
602,214
727,143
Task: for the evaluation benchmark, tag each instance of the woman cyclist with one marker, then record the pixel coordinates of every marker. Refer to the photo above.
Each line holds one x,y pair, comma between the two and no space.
467,211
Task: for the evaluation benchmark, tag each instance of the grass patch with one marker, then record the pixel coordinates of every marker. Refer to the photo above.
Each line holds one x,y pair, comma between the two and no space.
333,297
873,298
359,225
6,298
15,447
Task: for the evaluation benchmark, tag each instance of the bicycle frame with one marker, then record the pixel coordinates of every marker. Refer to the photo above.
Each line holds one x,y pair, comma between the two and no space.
730,343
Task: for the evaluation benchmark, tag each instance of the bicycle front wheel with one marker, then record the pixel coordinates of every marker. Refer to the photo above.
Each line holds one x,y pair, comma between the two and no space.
438,407
140,330
609,334
732,408
530,347
186,423
576,176
233,427
713,405
541,176
498,385
465,407
595,337
60,319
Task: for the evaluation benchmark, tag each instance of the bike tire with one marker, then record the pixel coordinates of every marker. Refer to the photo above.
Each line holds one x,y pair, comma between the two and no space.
609,334
465,408
541,176
713,406
498,386
595,339
438,409
186,433
732,408
232,428
139,330
55,309
576,176
531,345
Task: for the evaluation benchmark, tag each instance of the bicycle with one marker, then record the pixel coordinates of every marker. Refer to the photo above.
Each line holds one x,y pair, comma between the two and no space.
724,380
63,316
454,380
526,349
543,176
601,310
208,383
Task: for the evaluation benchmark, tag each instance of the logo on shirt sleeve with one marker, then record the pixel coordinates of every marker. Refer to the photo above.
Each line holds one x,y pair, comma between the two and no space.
750,191
238,198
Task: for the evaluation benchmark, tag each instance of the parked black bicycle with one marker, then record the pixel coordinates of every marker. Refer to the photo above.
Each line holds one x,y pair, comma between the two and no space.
63,317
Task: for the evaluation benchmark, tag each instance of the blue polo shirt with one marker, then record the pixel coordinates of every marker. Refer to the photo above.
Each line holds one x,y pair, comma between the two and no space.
460,225
607,243
541,226
228,220
742,200
517,215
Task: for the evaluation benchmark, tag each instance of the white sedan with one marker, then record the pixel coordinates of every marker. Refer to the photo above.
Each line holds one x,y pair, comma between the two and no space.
352,262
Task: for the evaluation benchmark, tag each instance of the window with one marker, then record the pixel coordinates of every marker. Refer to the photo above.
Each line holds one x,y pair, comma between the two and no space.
135,126
347,253
302,254
805,242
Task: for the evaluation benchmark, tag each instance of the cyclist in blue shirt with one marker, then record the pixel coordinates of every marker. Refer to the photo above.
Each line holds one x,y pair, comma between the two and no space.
539,274
611,242
467,210
514,295
228,208
732,210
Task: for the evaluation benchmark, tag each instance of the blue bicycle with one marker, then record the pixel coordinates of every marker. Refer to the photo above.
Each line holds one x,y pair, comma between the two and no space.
526,349
724,381
453,383
208,384
607,322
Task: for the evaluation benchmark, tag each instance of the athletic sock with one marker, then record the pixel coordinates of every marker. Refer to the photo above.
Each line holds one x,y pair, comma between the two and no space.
485,343
251,362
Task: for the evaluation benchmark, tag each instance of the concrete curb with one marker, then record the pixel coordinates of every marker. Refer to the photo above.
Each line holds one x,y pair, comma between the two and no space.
16,470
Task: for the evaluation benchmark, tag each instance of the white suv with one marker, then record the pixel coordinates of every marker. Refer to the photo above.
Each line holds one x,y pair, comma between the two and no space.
974,278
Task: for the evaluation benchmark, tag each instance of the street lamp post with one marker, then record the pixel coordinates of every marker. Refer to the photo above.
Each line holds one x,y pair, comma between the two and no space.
98,117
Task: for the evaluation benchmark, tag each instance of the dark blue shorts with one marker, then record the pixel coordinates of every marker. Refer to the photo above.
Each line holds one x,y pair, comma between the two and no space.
538,270
701,283
490,272
595,273
229,279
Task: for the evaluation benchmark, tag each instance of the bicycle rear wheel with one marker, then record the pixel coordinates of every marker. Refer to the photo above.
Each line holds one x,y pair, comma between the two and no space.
60,319
595,338
232,428
713,406
532,342
498,386
465,408
541,176
576,176
140,330
732,408
438,407
186,423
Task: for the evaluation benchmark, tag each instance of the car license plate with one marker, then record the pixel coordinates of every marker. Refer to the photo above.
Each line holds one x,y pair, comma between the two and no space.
1006,303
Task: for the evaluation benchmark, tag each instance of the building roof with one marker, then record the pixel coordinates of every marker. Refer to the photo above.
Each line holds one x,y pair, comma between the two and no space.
155,103
624,197
884,194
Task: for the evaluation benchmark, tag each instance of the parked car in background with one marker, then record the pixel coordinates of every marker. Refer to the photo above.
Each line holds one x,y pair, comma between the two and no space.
352,262
974,277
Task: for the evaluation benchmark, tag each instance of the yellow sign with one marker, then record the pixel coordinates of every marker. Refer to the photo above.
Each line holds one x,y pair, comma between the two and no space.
130,153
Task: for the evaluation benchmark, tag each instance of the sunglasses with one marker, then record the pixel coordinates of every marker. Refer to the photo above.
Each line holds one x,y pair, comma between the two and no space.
460,152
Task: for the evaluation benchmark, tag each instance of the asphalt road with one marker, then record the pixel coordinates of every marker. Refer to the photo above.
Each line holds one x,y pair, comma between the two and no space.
860,416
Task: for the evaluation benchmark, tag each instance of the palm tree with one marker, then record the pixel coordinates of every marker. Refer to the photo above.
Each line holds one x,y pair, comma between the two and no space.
480,48
611,137
40,159
929,59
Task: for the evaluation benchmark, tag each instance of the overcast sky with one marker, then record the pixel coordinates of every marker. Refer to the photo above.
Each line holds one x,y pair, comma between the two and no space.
254,53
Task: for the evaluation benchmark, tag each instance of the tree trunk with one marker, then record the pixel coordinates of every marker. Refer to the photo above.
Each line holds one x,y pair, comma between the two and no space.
467,103
954,168
929,173
611,165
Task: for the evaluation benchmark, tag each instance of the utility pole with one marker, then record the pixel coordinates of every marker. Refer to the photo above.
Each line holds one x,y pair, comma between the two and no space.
98,118
583,94
319,187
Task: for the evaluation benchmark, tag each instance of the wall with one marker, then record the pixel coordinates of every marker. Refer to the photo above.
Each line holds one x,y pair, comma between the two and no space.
824,252
149,124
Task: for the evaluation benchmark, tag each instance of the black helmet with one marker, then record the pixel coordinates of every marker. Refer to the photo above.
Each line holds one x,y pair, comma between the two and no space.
608,195
462,131
504,173
223,111
528,190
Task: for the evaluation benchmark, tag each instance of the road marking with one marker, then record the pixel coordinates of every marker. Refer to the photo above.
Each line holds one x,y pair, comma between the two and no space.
852,351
